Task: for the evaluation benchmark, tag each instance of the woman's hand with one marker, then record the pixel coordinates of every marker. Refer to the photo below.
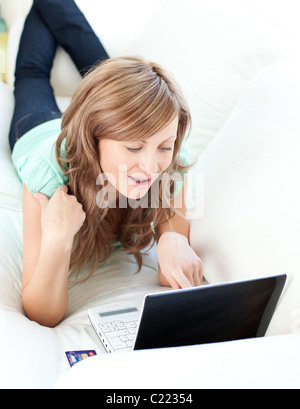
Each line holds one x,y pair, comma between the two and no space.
49,230
179,265
61,216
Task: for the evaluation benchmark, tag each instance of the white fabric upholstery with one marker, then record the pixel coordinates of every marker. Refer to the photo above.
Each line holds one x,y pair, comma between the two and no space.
213,57
249,364
251,172
246,112
10,188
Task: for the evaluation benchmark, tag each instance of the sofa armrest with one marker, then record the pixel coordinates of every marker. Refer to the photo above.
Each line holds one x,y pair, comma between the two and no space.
251,363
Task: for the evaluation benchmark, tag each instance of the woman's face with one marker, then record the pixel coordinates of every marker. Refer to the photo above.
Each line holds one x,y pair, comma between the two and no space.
133,166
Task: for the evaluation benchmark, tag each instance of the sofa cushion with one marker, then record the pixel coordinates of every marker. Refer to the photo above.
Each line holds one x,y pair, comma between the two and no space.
246,364
10,186
251,221
213,57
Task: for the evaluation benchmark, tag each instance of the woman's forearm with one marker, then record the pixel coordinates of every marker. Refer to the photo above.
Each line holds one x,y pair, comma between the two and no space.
177,225
45,297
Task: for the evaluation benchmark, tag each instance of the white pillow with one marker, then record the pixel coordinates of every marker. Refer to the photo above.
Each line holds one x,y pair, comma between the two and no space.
10,186
266,363
11,239
213,48
251,221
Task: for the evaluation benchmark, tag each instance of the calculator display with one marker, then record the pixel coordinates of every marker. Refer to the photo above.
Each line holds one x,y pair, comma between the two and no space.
110,313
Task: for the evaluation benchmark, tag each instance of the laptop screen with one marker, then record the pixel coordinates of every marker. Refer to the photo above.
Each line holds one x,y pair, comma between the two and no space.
208,314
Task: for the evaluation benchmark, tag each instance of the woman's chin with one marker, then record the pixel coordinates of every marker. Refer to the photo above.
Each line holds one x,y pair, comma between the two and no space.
134,194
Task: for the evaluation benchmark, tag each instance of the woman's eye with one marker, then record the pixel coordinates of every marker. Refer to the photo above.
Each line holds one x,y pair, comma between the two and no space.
138,149
134,149
166,149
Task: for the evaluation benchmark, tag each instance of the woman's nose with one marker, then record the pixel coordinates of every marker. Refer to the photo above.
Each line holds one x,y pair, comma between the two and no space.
149,164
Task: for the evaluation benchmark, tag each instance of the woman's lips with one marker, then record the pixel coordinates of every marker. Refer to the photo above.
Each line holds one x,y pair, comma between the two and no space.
139,182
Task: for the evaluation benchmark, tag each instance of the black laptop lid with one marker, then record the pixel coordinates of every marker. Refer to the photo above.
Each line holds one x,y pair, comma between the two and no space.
214,313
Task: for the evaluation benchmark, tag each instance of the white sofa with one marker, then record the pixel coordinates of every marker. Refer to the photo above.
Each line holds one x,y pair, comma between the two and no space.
239,72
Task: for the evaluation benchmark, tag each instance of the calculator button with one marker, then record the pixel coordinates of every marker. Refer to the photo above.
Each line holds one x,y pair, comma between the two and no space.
120,324
131,337
130,324
116,333
132,330
116,343
129,344
112,326
104,327
124,338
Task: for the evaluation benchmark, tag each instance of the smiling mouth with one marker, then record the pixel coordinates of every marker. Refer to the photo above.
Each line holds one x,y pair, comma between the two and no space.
138,181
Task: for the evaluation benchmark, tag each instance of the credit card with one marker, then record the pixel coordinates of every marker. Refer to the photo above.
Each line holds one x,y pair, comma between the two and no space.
76,356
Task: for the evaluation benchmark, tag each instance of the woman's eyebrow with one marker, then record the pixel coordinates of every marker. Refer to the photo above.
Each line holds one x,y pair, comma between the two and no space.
171,137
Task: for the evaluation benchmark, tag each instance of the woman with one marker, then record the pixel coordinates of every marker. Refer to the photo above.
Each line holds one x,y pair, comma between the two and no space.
122,134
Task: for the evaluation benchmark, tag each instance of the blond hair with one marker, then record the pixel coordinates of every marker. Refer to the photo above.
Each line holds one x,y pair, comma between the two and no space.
122,99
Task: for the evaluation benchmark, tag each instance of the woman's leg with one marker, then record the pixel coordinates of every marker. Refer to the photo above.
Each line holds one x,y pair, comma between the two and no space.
73,32
34,99
49,23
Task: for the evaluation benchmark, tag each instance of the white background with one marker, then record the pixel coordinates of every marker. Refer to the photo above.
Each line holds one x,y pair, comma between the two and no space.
285,12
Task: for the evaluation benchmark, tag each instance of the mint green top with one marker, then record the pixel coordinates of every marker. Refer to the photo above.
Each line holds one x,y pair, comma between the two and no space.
35,161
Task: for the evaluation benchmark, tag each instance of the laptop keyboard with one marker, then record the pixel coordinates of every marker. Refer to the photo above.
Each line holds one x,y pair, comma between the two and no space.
119,334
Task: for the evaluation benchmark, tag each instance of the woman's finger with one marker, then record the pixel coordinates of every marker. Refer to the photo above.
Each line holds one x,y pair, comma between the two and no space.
62,188
197,279
183,280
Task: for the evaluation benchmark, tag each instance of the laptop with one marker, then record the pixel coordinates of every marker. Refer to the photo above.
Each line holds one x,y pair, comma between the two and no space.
198,315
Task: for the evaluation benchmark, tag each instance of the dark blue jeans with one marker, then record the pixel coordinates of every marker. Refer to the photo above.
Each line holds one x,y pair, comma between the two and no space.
50,23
